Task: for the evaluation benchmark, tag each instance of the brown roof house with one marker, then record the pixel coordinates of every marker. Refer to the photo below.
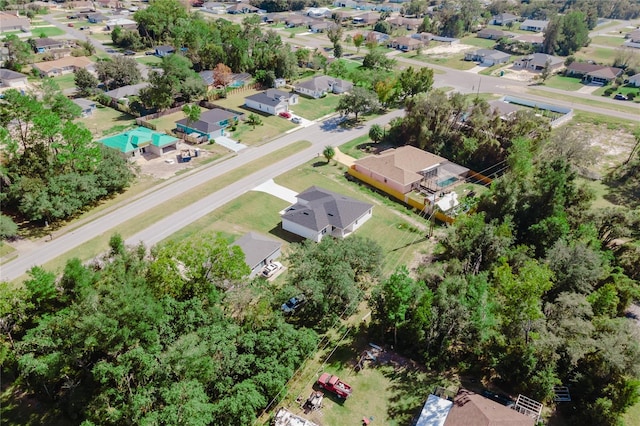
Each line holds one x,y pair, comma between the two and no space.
537,62
408,168
593,73
319,213
63,66
491,34
406,44
471,409
12,21
410,24
487,57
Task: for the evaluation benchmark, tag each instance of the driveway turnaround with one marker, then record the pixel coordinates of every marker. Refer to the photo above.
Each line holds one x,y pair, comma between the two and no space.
230,143
272,188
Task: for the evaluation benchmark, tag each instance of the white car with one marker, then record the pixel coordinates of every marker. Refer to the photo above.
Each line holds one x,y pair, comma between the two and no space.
271,269
296,120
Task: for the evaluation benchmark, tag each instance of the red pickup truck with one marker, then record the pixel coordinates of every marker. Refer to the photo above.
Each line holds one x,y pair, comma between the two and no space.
335,385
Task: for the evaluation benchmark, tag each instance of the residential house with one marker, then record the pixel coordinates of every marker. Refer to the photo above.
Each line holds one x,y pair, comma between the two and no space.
490,34
505,110
121,94
319,12
593,73
410,24
320,27
96,18
259,251
240,8
12,21
346,3
471,409
434,411
634,80
504,19
537,62
320,212
211,123
293,21
343,15
12,80
215,8
409,168
109,4
274,18
42,45
376,36
633,36
162,51
139,141
124,23
406,44
319,86
534,25
368,18
63,66
272,101
87,106
487,57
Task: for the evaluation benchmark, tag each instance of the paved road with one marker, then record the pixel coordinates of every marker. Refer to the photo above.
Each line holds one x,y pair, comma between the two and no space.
319,134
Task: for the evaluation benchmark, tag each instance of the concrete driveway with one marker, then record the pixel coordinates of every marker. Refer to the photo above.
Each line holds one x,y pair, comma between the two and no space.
230,143
272,188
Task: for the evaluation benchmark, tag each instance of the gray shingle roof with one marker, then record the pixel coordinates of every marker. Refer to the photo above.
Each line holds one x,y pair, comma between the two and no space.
124,91
208,121
6,74
256,247
270,97
317,208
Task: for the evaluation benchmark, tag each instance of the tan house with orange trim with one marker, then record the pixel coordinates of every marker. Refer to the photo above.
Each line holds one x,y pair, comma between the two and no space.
63,66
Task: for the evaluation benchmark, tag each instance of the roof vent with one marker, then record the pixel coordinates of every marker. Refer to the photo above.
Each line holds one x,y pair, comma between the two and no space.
306,213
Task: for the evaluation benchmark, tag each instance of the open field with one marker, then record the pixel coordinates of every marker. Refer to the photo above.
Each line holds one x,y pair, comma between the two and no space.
614,107
312,109
105,121
564,83
151,61
167,122
47,31
478,42
455,61
608,41
66,81
603,55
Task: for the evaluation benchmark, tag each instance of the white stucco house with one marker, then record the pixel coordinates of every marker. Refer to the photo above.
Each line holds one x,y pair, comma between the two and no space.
320,212
319,86
273,101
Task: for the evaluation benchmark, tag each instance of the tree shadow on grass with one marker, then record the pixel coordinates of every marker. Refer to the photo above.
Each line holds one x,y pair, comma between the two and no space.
410,386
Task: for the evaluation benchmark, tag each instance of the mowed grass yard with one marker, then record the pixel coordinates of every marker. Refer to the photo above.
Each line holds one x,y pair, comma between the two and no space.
106,121
603,55
479,42
455,61
66,81
564,83
49,31
312,109
611,41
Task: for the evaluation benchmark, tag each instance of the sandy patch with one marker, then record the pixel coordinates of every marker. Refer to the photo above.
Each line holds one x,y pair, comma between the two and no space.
612,146
520,75
164,168
444,49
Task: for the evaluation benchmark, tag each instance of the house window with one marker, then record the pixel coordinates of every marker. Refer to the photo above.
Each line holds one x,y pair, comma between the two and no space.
324,231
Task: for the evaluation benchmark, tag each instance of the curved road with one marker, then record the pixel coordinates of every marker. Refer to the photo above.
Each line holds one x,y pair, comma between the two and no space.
319,134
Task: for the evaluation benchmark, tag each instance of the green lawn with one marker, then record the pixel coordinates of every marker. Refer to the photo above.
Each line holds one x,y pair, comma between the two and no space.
598,54
312,109
66,81
354,146
632,416
151,61
493,70
621,107
564,83
479,42
168,122
625,90
106,121
47,31
453,61
614,41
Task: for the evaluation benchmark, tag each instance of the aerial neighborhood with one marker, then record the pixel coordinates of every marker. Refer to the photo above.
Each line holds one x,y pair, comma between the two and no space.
320,213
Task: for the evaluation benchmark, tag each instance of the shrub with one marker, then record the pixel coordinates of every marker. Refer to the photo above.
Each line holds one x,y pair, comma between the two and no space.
631,95
609,91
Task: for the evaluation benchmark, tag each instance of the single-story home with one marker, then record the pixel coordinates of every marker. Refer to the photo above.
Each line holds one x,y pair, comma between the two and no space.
164,50
633,36
240,8
408,168
63,66
367,18
294,20
319,12
125,23
504,19
210,124
410,24
490,34
534,25
537,62
45,44
593,73
487,57
470,408
96,18
320,27
320,212
272,101
12,79
122,93
534,39
216,8
258,250
12,21
87,106
634,80
319,86
139,141
406,44
376,36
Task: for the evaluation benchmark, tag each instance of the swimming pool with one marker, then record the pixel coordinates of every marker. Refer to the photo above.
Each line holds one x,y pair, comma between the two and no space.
446,182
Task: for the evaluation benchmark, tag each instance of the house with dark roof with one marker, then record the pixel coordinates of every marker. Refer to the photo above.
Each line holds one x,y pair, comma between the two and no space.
410,24
593,73
505,110
634,80
406,44
490,34
12,21
633,36
471,409
534,25
139,141
504,19
122,93
240,8
87,106
367,18
487,57
320,212
409,168
272,101
12,79
162,51
295,20
41,45
259,251
319,86
537,62
210,124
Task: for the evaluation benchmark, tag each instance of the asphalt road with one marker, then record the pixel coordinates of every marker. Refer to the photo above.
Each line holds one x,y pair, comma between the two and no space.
319,134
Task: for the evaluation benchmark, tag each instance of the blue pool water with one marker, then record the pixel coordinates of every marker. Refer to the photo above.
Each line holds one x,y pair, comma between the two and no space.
446,182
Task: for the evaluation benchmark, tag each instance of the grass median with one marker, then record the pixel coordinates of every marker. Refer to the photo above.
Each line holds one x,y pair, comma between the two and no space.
623,107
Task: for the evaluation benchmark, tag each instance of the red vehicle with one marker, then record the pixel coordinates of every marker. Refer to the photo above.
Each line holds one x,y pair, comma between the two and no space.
335,385
285,114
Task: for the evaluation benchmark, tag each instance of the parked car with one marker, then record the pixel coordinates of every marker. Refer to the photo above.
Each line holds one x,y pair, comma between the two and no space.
72,16
292,304
334,384
110,50
150,53
499,398
620,97
84,28
296,120
70,24
285,114
129,53
271,269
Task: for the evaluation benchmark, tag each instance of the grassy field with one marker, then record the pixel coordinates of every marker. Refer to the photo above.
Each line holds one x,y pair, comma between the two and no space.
354,147
625,90
608,41
47,31
604,55
151,61
453,61
97,245
66,81
564,83
479,42
614,107
632,417
106,121
5,249
168,122
312,109
612,123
